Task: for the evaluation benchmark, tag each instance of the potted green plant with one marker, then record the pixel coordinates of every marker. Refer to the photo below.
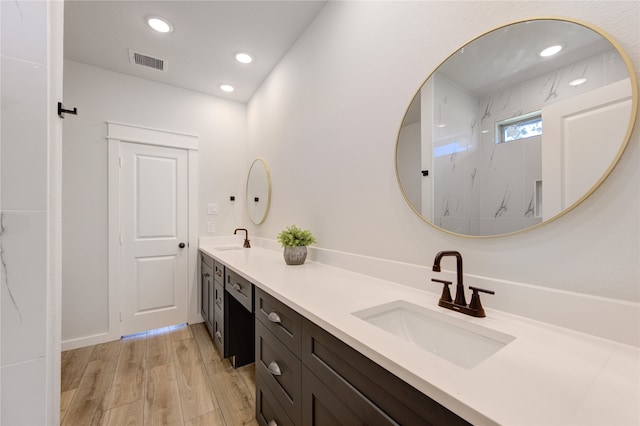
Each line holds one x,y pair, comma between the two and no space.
295,242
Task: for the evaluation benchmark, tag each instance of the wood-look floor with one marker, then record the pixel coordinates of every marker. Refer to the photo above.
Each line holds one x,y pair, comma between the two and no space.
171,376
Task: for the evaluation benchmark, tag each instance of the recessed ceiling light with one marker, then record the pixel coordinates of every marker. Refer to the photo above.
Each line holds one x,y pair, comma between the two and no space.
577,81
159,24
244,58
226,88
551,50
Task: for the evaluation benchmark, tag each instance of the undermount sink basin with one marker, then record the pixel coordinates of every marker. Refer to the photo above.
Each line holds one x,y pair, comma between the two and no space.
227,248
461,342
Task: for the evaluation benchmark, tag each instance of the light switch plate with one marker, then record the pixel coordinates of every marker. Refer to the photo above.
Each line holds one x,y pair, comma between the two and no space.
213,208
211,227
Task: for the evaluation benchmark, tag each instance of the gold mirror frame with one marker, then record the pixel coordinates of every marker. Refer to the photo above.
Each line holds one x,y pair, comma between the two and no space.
623,144
258,216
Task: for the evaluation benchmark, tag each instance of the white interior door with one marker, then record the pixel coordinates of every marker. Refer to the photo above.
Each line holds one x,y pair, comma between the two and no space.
577,149
154,235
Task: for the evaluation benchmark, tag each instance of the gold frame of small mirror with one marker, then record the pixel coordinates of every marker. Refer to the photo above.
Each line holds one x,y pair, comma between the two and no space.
623,143
253,199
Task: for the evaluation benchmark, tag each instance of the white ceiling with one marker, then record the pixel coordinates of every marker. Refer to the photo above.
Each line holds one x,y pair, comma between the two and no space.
510,55
200,51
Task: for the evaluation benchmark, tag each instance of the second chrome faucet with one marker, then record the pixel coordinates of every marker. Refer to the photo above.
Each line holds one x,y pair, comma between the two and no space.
460,303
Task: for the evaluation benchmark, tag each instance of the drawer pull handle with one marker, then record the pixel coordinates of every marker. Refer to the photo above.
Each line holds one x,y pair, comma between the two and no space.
219,335
219,273
206,275
219,302
274,317
272,423
236,287
274,368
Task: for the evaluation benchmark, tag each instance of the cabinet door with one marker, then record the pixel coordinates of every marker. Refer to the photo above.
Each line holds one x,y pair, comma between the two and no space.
338,405
351,376
204,291
206,309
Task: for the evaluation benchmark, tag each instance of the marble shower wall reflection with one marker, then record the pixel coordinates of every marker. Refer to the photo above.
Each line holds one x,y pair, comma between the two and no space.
485,188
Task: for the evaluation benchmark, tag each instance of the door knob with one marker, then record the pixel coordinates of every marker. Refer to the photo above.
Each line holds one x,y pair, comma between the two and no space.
181,245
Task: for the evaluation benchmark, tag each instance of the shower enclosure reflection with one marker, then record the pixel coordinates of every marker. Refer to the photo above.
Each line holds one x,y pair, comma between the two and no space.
500,139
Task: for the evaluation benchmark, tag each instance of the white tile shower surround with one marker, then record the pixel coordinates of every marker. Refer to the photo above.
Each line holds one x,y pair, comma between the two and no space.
547,375
24,217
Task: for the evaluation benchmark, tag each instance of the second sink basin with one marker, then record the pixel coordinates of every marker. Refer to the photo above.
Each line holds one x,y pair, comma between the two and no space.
461,342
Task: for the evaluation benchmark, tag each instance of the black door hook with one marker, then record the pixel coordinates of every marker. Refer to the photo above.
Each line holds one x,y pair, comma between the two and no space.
62,111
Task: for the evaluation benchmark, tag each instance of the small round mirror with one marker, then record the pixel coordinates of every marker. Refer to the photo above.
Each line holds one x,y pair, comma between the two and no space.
258,191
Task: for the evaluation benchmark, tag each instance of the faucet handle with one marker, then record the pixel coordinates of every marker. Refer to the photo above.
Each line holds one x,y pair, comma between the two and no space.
446,293
475,304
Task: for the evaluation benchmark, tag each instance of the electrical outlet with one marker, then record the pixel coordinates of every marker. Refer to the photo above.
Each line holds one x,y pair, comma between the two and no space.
211,227
213,208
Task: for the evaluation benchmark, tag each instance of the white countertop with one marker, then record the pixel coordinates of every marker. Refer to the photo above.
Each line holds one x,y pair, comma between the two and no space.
546,376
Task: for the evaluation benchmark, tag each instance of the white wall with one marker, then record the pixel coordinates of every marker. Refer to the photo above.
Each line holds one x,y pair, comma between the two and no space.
327,119
101,96
31,62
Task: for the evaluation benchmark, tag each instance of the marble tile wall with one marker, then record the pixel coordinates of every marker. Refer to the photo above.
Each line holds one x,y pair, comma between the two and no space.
486,188
23,215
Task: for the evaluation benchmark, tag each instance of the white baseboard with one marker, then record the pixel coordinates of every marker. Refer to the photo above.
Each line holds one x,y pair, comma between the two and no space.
95,339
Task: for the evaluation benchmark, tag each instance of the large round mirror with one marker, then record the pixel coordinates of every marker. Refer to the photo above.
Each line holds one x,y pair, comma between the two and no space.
258,191
506,134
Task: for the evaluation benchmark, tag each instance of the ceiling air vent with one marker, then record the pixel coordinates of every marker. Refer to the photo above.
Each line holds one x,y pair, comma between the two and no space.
143,60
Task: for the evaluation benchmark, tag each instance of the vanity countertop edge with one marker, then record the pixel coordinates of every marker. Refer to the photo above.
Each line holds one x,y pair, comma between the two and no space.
547,375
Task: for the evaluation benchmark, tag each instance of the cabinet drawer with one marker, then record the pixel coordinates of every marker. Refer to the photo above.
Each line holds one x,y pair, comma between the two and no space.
281,320
240,288
280,370
345,370
218,333
208,260
268,411
218,299
218,270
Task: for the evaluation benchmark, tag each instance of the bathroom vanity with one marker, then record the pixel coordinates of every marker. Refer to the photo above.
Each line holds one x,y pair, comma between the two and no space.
320,356
228,313
305,375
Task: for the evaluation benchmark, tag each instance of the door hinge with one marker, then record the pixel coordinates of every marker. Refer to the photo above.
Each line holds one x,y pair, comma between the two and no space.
120,161
121,315
120,239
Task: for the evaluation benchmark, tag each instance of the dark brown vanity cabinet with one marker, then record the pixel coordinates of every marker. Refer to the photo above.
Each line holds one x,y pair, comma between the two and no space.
227,314
307,376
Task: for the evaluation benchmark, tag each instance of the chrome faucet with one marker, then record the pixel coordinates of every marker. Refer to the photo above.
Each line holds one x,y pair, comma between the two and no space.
460,303
246,237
